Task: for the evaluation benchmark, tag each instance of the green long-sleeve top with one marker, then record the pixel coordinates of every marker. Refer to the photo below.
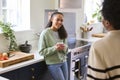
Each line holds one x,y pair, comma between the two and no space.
47,48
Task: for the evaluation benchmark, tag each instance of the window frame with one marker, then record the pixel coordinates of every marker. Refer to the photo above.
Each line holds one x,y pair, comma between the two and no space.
23,9
90,7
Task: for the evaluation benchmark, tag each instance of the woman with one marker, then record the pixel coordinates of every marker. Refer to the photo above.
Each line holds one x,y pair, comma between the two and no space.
52,45
104,57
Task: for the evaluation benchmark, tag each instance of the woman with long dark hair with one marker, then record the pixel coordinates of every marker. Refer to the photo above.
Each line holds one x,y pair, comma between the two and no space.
53,46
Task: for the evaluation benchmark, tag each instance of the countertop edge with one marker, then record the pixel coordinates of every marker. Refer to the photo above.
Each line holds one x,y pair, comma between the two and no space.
37,58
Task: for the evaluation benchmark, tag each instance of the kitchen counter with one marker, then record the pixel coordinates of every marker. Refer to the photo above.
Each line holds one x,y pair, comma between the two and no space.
91,39
37,58
73,42
2,78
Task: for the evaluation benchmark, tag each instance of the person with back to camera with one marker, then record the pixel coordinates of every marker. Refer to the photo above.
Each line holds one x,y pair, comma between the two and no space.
104,56
53,46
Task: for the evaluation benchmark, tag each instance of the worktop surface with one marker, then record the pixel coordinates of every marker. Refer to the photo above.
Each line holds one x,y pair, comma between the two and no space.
38,58
2,78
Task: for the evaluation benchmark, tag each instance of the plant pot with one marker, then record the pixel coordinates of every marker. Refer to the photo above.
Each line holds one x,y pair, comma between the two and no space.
85,35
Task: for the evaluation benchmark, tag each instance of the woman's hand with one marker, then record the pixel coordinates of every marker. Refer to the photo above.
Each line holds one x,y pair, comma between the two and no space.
60,46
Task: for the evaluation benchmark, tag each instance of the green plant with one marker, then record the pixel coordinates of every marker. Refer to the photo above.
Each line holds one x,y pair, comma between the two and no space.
97,13
9,35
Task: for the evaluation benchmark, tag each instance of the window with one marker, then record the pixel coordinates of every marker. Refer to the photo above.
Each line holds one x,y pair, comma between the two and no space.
17,12
90,8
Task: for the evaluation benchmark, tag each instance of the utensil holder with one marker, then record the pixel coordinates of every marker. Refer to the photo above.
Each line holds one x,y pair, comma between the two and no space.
85,35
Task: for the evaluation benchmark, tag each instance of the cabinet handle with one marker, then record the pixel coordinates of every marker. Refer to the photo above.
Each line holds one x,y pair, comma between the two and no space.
86,65
33,69
86,56
76,60
33,77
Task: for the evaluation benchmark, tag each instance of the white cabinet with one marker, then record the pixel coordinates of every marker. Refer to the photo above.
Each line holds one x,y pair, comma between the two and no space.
70,4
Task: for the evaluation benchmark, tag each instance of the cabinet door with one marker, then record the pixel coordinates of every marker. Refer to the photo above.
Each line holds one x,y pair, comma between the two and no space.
32,72
37,71
70,4
25,73
12,75
41,72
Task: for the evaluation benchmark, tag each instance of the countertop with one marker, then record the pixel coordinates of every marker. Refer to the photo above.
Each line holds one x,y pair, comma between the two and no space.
91,39
2,78
37,58
73,42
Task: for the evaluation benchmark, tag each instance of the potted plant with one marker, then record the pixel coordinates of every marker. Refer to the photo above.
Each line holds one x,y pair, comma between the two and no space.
97,13
9,35
85,29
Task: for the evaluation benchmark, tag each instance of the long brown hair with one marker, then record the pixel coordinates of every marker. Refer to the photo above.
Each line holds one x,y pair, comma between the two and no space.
61,31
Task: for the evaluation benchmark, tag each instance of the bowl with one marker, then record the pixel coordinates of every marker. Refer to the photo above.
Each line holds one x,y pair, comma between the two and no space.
25,48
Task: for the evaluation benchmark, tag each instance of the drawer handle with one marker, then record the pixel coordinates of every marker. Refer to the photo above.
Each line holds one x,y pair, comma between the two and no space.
33,77
86,56
33,69
76,60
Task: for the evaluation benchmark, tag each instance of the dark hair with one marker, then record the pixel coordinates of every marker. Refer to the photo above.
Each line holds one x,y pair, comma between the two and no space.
61,31
111,12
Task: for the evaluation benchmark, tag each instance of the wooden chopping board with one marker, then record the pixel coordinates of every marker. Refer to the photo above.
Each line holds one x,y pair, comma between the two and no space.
16,58
99,35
